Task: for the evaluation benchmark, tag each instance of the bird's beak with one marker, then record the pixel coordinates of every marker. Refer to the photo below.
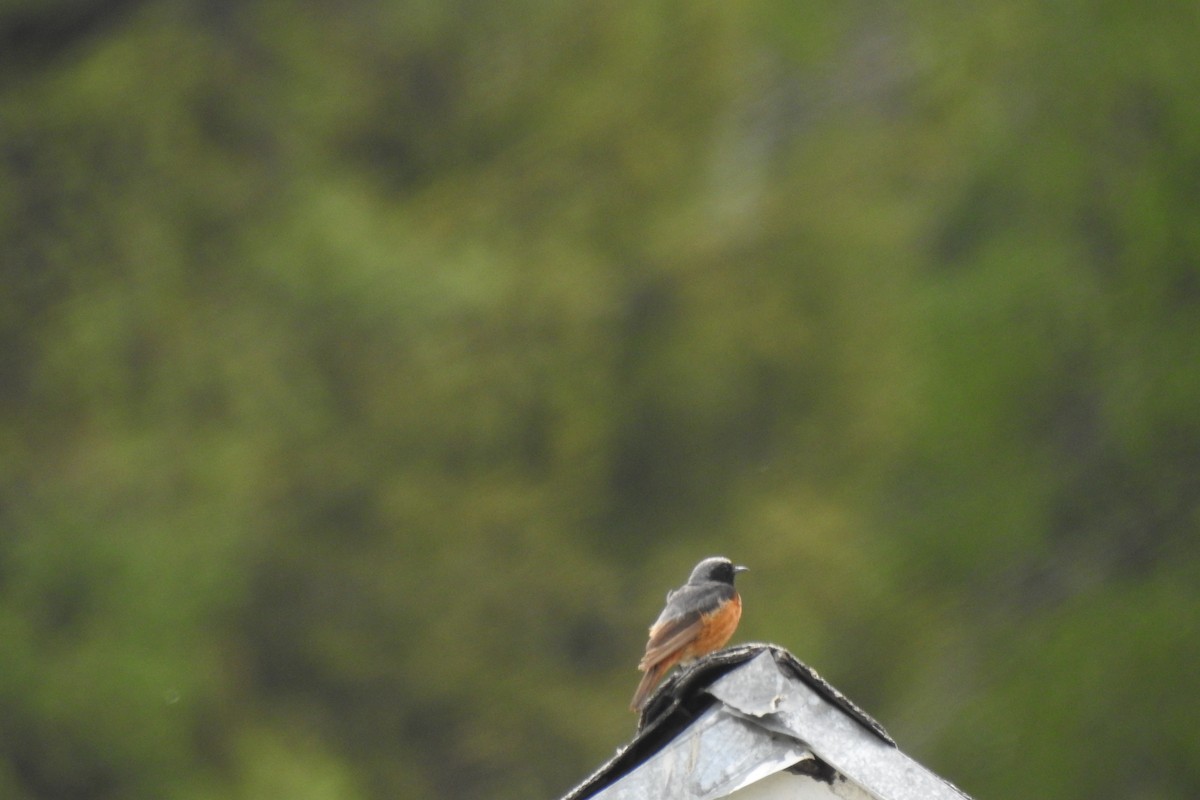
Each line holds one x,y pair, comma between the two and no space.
740,569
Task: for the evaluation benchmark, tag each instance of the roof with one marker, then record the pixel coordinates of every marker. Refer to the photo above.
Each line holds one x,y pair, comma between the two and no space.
750,719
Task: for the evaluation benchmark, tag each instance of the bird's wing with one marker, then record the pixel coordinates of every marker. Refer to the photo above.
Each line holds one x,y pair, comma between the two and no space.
680,621
669,638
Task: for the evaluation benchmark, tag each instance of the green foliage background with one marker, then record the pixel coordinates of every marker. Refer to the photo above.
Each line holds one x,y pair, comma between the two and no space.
368,371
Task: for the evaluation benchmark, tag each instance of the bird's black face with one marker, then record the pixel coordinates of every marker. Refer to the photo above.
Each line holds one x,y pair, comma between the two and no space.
717,569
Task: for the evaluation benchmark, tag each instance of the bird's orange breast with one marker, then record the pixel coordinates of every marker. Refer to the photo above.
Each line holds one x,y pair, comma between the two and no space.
716,628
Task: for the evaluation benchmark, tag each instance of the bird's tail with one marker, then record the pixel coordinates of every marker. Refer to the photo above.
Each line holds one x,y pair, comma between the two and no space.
647,684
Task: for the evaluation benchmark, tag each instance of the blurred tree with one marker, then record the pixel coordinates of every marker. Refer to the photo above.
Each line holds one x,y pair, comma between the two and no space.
368,372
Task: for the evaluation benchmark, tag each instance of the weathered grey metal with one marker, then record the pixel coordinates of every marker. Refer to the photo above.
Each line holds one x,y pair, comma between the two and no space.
760,692
717,755
755,723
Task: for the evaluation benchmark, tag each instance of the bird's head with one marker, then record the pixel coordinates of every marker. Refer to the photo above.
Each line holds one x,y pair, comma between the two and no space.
717,568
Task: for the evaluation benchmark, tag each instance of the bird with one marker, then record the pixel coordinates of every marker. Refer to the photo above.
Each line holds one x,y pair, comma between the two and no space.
699,618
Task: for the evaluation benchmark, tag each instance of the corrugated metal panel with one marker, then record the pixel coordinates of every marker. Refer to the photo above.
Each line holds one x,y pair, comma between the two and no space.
756,723
713,758
759,692
790,786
